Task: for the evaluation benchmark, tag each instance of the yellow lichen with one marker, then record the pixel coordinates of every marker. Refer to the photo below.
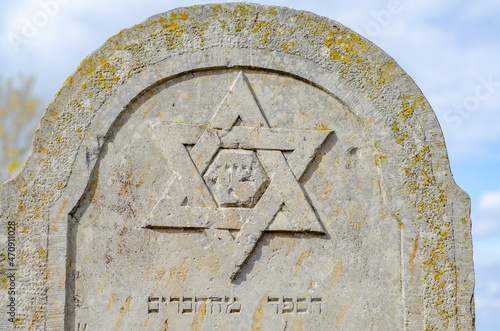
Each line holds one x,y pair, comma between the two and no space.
322,127
410,104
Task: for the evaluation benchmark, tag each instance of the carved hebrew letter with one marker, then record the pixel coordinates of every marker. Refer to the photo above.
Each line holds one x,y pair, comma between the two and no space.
153,305
186,305
315,305
288,305
275,302
301,305
215,305
234,307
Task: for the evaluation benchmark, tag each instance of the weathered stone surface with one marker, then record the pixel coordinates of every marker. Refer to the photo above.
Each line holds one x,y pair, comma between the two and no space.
238,167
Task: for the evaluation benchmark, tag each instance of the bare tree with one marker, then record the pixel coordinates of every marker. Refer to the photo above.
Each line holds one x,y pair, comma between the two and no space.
19,114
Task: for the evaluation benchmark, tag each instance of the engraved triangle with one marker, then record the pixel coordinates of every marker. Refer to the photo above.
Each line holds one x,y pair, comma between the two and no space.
240,102
281,223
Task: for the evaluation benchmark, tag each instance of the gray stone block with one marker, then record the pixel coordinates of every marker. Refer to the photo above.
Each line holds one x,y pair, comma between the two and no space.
237,167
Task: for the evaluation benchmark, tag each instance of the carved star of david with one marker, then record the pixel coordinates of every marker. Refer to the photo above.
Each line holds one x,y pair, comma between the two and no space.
237,128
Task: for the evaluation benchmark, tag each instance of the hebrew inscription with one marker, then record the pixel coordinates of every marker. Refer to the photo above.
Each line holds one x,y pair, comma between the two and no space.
227,305
294,305
237,177
214,305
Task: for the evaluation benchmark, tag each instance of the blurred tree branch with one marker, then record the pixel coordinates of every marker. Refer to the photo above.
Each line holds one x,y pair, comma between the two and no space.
19,115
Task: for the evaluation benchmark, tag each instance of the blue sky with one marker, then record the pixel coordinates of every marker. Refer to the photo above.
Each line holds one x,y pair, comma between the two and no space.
451,48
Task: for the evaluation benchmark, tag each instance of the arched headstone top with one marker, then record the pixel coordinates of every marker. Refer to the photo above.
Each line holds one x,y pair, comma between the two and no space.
239,165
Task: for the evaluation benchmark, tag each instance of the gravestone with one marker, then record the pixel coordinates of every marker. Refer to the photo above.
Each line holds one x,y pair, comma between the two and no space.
237,167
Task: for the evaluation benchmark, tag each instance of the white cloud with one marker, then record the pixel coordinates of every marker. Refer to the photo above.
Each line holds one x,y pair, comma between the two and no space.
12,17
490,203
486,221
